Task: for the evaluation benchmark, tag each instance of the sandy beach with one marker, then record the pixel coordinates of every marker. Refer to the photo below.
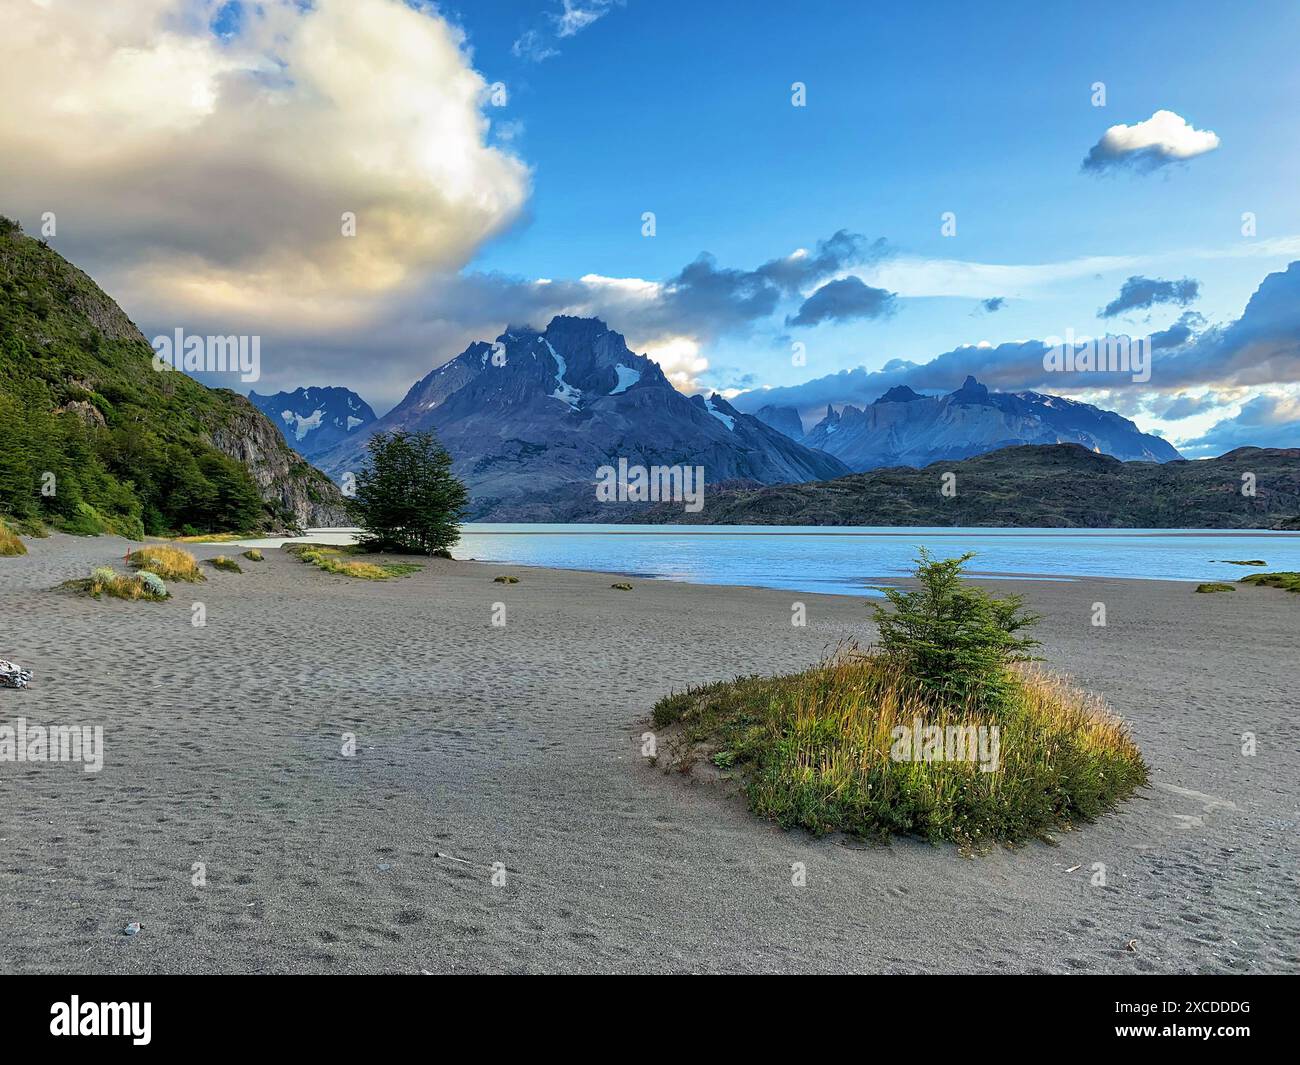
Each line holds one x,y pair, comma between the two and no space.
520,745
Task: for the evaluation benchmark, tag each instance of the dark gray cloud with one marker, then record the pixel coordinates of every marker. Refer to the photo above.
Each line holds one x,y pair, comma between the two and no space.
1265,421
1141,293
1179,333
418,328
1184,406
1262,347
842,301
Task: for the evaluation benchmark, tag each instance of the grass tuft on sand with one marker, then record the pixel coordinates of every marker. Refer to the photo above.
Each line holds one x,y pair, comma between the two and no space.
1216,586
332,560
816,750
254,555
621,586
170,563
229,565
10,545
104,580
505,579
1285,579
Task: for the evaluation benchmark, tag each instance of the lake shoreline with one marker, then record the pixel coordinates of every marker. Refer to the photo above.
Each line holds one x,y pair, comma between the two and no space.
521,745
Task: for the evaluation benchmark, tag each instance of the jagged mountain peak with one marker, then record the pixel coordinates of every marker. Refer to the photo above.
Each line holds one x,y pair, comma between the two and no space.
315,418
531,417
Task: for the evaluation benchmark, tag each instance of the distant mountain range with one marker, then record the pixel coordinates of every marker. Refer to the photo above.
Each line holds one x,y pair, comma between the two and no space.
1029,486
904,428
313,420
530,419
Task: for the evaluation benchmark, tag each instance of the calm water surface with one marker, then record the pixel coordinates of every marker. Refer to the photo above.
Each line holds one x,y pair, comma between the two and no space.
849,560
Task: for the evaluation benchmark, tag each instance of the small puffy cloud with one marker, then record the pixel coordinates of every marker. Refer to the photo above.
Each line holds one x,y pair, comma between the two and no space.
842,301
1268,420
1162,139
1141,293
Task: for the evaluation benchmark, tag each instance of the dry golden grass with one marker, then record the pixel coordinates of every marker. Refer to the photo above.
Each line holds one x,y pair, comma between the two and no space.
170,563
9,542
332,560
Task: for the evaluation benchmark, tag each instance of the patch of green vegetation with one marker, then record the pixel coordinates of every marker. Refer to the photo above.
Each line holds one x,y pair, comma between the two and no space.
229,565
824,749
505,579
621,586
1288,580
124,448
254,555
331,560
1215,586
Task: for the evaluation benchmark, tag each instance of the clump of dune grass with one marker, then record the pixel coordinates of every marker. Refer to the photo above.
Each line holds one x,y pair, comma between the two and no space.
254,555
945,731
621,586
1215,586
332,560
104,580
9,543
170,563
221,562
1288,580
505,579
818,750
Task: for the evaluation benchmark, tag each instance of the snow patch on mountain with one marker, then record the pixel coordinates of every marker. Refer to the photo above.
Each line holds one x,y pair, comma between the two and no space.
302,424
725,419
627,377
564,391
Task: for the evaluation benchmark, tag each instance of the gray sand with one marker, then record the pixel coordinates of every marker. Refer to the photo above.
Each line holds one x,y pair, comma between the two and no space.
520,745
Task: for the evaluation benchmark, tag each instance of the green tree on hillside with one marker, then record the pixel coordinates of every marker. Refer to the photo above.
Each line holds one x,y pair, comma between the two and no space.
407,499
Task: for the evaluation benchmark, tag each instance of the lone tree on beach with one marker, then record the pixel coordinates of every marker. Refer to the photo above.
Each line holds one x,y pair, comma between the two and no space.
407,499
955,641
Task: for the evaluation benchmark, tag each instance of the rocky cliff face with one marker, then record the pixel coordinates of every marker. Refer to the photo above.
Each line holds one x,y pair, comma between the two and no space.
284,478
531,418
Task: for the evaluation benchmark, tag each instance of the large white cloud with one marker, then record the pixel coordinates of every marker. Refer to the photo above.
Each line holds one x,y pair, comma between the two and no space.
204,176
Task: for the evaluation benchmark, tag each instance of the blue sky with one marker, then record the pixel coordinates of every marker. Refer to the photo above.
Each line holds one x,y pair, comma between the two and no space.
913,110
619,107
